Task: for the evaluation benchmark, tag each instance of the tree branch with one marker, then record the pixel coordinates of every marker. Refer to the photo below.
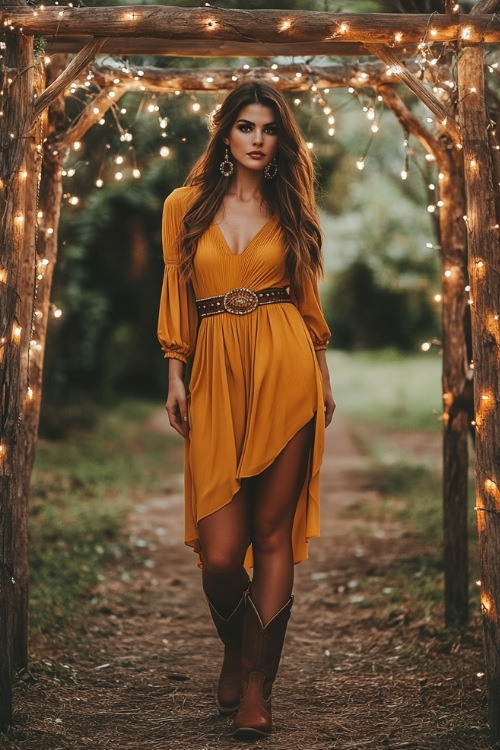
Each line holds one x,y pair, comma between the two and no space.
484,6
79,63
418,88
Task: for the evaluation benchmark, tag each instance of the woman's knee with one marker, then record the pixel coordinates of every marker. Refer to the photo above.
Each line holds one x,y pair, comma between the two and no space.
271,539
220,561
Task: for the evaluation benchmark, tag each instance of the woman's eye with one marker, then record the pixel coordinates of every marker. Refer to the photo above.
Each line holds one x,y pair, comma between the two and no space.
270,131
244,128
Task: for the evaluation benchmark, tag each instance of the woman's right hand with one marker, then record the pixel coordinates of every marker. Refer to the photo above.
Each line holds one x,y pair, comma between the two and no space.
177,406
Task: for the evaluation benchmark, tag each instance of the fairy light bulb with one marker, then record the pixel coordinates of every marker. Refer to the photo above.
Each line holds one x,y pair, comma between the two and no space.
164,151
360,164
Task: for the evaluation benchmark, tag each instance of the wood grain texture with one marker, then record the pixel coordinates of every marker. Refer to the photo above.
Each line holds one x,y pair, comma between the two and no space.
269,26
484,279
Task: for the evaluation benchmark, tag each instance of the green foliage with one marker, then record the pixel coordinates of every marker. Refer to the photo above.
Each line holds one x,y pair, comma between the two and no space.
366,314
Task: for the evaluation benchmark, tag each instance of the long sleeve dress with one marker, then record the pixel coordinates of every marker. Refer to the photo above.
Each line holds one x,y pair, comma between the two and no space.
255,379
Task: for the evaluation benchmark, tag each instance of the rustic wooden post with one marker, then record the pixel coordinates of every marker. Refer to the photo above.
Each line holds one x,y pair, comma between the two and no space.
15,128
455,382
484,275
48,209
27,433
456,390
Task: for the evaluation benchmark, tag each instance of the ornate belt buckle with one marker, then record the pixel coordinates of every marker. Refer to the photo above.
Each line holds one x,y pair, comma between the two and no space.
240,301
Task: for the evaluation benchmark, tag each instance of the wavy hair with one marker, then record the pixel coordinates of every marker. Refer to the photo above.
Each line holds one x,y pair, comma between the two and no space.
290,195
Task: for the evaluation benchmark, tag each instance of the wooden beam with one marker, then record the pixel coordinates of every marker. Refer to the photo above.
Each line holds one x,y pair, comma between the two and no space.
205,48
79,63
266,26
286,78
418,88
484,275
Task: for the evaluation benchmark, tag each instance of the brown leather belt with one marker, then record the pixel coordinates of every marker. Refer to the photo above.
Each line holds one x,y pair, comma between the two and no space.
241,301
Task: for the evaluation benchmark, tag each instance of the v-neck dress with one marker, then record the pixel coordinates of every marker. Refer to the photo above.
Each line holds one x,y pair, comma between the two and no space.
255,379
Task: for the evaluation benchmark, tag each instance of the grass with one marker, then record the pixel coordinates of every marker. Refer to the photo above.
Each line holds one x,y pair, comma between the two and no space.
81,488
388,388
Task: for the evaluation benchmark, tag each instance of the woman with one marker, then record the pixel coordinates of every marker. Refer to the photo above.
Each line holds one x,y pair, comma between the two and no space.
242,249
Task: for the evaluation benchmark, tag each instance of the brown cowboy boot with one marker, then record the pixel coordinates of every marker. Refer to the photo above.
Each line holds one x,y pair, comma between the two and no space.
230,632
260,660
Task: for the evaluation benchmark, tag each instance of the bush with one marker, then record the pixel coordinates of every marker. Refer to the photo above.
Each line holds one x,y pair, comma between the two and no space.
364,314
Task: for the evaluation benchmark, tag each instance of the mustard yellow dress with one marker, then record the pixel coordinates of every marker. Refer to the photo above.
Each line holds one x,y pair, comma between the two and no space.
255,380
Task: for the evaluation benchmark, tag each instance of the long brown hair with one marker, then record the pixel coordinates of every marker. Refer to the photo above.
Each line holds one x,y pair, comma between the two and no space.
290,195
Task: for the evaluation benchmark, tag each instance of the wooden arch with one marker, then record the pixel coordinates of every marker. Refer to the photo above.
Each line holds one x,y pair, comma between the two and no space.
461,147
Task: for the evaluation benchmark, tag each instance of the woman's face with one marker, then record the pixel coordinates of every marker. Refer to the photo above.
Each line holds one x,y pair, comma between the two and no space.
253,138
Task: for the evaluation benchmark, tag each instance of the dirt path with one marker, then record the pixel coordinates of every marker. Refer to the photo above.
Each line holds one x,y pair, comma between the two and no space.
359,670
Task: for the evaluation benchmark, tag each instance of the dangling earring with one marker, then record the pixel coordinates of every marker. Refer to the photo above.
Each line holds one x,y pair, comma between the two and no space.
227,166
271,170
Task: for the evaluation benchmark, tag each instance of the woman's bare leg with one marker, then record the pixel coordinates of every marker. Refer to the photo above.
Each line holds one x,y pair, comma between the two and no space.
275,494
224,538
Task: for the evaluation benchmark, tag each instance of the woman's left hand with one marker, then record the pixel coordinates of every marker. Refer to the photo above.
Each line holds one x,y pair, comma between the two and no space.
329,403
328,399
